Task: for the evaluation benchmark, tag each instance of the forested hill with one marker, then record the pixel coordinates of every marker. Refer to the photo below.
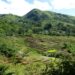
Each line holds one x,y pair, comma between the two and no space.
37,22
27,46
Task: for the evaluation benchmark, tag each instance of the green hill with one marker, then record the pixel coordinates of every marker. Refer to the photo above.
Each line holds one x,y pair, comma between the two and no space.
57,24
38,43
37,22
37,15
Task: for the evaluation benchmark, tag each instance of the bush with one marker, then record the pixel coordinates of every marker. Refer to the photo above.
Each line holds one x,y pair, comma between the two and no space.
6,51
3,69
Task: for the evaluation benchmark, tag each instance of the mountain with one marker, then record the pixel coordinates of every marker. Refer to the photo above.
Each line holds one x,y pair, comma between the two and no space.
27,47
37,15
37,22
57,24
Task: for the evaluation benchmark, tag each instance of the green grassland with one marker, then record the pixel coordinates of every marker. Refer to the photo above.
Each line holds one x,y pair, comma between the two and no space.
32,54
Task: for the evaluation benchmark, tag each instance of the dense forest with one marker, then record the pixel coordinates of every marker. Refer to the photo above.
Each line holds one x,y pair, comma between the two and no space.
38,43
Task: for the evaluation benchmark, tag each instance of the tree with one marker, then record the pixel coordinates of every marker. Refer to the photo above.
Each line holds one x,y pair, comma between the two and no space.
47,26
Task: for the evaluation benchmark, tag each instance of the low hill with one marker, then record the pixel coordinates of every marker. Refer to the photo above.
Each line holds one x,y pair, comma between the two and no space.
37,22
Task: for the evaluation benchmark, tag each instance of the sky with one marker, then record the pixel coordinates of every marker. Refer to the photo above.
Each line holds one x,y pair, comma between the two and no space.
22,7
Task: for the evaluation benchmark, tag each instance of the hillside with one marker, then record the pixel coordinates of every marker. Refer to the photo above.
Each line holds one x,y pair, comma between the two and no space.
37,22
38,43
37,15
51,23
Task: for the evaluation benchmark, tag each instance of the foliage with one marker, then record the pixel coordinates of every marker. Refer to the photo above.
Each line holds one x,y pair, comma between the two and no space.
37,22
3,69
6,51
52,51
26,48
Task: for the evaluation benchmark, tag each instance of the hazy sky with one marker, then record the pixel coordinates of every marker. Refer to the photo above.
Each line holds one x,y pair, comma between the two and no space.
21,7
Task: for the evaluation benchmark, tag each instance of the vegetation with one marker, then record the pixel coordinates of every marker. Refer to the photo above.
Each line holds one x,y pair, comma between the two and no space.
37,22
38,43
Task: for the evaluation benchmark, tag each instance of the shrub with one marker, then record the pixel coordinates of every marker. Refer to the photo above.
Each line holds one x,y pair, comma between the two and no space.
6,51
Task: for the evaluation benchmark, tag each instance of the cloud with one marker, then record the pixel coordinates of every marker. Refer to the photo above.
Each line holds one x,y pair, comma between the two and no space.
21,7
43,0
63,4
41,5
7,1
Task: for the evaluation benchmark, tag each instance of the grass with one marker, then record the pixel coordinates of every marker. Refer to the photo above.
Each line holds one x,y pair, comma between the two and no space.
30,52
52,51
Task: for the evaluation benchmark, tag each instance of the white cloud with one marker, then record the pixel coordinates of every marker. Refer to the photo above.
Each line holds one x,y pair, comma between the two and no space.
41,5
21,7
63,4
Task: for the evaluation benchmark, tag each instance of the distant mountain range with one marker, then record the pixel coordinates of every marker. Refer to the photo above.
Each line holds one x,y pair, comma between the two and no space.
37,22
